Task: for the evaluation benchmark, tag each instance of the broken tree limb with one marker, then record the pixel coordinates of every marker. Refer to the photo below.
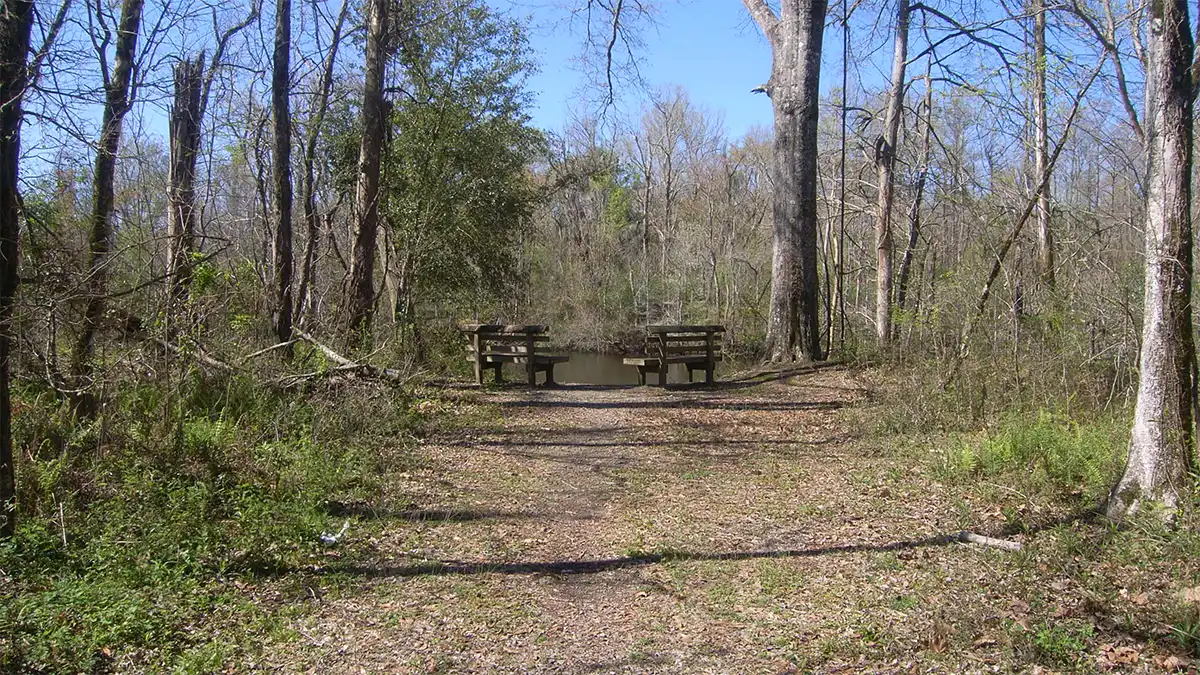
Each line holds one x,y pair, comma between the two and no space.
346,364
972,538
268,350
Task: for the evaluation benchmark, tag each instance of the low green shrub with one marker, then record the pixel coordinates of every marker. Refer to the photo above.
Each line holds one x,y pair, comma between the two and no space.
1048,452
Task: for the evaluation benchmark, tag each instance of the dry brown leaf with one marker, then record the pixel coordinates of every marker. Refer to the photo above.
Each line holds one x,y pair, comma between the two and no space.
937,643
1173,663
1117,656
1190,595
1017,607
983,642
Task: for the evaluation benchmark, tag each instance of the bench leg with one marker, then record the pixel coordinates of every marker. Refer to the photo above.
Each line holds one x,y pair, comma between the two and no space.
662,374
478,347
641,376
499,370
708,372
550,376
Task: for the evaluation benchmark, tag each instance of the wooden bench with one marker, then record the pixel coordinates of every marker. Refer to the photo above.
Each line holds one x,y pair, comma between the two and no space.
493,345
697,347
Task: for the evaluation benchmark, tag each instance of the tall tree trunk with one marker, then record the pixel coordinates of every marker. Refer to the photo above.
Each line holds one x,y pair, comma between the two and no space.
885,162
1045,239
116,104
793,325
1161,443
914,214
16,22
280,88
184,130
312,220
362,263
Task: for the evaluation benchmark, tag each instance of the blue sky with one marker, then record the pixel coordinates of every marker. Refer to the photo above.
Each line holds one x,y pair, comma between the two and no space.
709,47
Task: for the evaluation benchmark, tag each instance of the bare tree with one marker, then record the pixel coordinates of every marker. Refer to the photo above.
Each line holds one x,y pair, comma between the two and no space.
181,190
795,35
192,88
16,22
311,219
1161,443
1045,240
914,213
282,118
116,104
885,162
362,263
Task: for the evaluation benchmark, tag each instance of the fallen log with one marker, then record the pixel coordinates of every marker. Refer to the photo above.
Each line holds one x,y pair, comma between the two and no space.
972,538
346,364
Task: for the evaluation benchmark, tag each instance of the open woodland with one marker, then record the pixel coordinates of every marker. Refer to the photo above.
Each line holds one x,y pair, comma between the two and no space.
955,430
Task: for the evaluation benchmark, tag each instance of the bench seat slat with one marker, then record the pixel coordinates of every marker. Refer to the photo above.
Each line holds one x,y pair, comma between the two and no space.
521,358
685,329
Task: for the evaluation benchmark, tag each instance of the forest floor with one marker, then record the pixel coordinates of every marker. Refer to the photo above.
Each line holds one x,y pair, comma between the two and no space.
754,527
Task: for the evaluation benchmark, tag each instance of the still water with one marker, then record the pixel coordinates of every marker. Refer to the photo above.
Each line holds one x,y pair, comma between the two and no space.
593,368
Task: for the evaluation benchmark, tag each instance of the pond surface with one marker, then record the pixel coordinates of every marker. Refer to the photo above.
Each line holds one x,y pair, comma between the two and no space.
593,368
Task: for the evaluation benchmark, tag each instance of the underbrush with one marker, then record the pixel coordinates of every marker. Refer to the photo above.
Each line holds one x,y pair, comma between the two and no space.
142,534
982,427
1043,452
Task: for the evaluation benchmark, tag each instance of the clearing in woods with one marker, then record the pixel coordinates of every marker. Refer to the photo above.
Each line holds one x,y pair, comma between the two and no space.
741,529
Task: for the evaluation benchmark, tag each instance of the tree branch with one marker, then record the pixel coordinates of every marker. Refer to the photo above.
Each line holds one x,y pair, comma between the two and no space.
766,19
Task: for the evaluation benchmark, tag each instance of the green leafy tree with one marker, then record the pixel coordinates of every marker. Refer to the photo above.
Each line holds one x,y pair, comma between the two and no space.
458,195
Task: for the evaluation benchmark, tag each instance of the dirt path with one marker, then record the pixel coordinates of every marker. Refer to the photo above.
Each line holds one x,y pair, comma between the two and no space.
597,530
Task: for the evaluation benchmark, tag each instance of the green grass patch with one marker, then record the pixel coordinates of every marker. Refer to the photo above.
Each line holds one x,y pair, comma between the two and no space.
142,536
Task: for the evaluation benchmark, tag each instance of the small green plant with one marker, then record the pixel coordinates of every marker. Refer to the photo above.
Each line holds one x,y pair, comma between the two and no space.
1186,628
1061,643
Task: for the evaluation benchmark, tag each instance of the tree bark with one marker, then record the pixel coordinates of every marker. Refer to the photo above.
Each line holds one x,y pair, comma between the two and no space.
282,118
312,220
793,325
885,162
362,263
116,104
1045,240
16,22
1161,443
185,118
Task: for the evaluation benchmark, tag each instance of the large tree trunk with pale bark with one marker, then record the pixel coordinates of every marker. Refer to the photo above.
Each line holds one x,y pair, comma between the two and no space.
793,325
1161,443
181,184
16,21
885,162
362,262
116,104
1045,239
282,118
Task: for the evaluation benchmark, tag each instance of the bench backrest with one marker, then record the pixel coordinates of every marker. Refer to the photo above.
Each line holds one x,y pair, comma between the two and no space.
668,341
495,339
